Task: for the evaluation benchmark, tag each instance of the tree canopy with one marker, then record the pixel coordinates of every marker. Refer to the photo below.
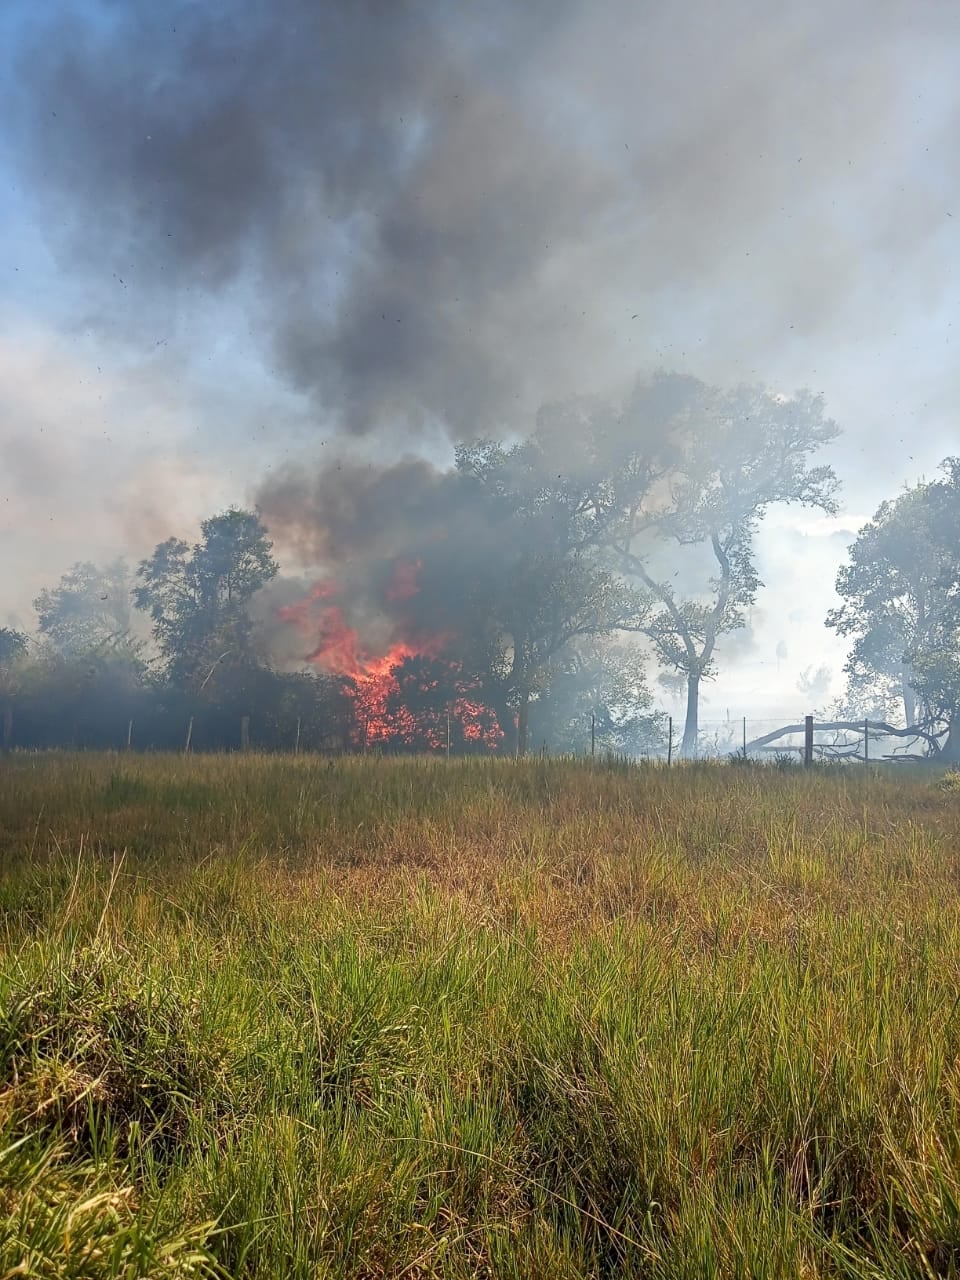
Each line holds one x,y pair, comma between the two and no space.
546,588
13,646
197,597
901,602
89,608
687,469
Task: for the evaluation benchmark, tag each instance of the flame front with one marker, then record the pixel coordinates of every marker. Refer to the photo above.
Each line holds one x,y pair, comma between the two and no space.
411,696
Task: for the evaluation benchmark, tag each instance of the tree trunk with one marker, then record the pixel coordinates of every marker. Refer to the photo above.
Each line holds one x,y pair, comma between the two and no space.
950,752
691,725
909,697
523,720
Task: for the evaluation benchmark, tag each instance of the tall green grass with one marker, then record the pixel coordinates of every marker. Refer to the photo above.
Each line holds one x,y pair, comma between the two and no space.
266,1017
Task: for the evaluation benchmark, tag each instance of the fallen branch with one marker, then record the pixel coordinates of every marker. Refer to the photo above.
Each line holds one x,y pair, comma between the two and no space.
877,729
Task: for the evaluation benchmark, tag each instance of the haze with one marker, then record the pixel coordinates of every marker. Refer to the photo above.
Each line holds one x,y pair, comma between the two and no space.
244,238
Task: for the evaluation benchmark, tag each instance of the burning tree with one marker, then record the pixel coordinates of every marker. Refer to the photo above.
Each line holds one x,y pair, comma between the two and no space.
635,517
412,696
495,581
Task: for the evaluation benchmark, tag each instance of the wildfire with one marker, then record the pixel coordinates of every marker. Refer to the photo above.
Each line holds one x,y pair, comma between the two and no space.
411,696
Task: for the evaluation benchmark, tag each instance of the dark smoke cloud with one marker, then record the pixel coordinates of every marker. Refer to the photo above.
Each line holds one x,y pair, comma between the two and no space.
353,524
350,510
442,214
366,166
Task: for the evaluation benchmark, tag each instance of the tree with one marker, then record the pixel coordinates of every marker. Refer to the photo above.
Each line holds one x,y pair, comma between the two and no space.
705,467
83,700
429,704
89,608
598,693
197,597
13,651
539,587
13,647
901,594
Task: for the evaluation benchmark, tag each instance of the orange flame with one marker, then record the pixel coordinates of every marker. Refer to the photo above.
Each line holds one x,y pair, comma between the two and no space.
382,687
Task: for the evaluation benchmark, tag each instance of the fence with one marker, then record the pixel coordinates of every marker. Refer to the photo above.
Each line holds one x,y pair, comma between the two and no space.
807,740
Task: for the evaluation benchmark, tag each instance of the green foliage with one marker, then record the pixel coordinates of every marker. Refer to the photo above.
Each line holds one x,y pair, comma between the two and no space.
603,680
72,700
65,1220
197,597
88,610
544,589
13,648
693,469
737,453
901,595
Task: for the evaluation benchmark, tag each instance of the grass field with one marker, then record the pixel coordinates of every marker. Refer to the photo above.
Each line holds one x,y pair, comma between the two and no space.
289,1017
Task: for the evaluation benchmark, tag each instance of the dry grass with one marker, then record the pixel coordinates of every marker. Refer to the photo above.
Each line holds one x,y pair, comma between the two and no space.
271,1017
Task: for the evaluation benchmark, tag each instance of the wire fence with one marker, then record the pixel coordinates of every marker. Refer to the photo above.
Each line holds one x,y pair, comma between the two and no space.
777,740
805,738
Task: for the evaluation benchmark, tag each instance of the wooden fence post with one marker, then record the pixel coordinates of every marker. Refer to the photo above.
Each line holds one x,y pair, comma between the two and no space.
744,737
296,745
866,742
670,741
186,745
808,741
129,733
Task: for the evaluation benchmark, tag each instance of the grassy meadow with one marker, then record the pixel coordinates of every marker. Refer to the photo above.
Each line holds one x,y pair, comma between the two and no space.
265,1017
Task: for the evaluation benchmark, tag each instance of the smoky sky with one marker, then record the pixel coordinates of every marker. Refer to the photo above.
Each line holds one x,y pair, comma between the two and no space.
365,167
411,223
442,216
453,538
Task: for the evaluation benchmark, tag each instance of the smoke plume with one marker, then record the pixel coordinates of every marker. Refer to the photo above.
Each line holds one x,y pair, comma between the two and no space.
441,216
410,222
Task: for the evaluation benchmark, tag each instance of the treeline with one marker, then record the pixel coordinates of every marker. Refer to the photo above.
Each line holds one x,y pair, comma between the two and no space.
201,678
90,680
550,575
88,705
549,567
111,700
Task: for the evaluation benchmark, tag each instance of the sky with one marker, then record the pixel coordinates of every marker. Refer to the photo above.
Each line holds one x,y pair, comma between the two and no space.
244,238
